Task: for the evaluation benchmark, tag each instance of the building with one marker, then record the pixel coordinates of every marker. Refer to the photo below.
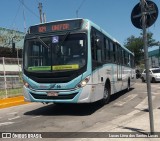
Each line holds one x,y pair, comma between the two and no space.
154,58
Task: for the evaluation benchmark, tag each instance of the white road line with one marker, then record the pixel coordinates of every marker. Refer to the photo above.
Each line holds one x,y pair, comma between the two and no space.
130,97
14,118
120,103
156,86
12,113
125,100
36,117
133,112
144,104
6,123
155,93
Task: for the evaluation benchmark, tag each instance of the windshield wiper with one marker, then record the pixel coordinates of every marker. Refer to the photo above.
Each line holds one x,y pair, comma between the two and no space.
65,37
41,41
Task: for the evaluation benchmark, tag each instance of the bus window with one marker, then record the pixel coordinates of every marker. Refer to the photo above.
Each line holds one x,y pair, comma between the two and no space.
111,50
114,53
119,54
96,45
122,56
108,55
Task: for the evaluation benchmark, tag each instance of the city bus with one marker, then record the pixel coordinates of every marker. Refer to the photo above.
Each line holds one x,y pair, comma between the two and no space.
74,61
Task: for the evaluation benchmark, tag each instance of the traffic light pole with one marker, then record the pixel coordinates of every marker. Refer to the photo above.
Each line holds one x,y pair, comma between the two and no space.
147,65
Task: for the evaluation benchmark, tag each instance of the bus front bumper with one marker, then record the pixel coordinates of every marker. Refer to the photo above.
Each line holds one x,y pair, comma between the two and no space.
61,96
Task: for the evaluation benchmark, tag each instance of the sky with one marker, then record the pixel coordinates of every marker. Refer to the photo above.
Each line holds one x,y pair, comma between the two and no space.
114,16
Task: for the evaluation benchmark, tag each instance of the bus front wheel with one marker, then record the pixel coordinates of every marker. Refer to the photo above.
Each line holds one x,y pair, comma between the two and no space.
106,95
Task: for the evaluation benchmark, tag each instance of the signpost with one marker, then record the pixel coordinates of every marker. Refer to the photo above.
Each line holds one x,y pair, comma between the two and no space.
150,12
143,15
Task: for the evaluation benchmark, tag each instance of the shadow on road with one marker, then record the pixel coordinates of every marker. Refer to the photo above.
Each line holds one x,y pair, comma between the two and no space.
71,109
136,130
65,109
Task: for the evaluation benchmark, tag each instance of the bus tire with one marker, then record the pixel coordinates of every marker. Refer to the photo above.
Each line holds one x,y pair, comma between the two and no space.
128,85
106,95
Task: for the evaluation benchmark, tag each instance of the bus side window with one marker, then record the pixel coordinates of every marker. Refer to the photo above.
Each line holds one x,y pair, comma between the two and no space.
99,49
118,54
114,53
111,50
122,56
96,45
107,47
93,46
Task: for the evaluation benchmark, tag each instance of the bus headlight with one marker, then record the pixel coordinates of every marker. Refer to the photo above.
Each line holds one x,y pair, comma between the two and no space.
83,82
26,84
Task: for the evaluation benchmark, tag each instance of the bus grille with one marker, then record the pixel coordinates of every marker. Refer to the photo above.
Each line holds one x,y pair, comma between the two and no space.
60,97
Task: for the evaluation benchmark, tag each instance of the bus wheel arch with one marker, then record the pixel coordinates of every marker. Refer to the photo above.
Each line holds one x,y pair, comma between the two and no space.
106,93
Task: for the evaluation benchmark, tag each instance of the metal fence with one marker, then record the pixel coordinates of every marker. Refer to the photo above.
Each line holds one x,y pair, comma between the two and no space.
10,77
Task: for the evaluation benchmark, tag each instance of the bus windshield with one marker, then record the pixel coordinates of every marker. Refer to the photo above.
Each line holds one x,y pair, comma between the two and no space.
55,53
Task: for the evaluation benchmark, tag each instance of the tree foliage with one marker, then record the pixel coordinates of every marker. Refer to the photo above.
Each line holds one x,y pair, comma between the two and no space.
135,44
8,52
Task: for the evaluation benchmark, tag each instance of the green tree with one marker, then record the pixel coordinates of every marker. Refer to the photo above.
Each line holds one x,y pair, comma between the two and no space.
135,44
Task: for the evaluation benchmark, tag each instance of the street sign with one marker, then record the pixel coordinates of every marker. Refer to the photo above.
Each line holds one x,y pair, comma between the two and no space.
151,13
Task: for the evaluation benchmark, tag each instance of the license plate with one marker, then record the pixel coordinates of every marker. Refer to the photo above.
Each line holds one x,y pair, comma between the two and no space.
52,94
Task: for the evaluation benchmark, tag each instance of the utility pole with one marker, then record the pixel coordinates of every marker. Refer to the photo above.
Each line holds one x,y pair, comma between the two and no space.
159,54
44,18
40,12
24,18
144,26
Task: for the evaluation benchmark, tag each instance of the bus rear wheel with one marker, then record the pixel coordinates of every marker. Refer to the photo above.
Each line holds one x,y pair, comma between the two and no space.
128,85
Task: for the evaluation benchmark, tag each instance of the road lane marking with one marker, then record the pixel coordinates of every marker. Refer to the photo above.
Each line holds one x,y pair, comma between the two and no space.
36,117
14,118
6,123
125,100
144,104
133,112
12,113
156,86
155,93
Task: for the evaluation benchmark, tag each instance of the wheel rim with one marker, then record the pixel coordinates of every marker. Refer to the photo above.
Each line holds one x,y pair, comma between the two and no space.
105,93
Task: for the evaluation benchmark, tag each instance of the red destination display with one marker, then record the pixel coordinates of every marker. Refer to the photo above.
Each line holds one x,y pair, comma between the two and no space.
56,26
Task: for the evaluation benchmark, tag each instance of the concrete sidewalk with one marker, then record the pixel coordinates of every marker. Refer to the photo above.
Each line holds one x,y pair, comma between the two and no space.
128,128
14,101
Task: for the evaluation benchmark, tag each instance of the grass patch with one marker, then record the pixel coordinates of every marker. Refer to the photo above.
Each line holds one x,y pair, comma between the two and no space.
11,92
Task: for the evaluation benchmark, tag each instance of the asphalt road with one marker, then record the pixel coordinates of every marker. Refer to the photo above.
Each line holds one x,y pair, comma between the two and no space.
36,117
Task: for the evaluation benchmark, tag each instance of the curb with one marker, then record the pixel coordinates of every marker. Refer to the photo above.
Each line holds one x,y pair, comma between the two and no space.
14,101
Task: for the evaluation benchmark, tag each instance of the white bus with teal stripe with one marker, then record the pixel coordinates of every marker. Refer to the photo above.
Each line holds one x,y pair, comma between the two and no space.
74,61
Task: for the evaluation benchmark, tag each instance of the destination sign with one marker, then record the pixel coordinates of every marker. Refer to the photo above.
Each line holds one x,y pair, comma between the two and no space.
56,26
